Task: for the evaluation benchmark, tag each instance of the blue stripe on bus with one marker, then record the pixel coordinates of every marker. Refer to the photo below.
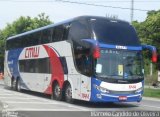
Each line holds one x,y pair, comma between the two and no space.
102,45
13,56
117,47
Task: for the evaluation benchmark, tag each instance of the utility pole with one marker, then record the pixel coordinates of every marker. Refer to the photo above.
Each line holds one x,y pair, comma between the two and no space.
132,10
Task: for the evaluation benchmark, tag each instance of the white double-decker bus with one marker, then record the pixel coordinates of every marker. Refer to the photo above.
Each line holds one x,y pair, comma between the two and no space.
86,58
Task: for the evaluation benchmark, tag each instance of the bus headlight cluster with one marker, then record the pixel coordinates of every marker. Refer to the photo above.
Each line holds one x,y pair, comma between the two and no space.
139,90
103,90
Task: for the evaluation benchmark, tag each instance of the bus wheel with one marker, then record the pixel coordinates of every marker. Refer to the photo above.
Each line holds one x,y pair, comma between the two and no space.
12,86
57,92
18,85
68,93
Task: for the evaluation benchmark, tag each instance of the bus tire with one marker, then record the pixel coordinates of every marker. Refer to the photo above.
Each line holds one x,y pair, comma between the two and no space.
12,81
13,84
18,85
56,92
68,93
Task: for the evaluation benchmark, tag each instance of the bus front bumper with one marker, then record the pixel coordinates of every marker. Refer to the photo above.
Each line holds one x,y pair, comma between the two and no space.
116,98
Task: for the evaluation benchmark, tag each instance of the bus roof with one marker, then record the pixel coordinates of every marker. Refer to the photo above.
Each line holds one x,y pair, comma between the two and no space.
60,23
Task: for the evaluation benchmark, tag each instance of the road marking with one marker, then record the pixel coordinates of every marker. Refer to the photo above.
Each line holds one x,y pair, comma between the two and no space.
5,94
29,102
69,107
34,109
46,101
80,108
51,103
23,98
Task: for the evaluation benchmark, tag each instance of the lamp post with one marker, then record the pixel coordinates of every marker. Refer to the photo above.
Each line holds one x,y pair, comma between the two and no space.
132,10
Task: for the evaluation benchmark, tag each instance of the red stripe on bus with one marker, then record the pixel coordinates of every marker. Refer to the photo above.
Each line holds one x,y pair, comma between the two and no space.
56,69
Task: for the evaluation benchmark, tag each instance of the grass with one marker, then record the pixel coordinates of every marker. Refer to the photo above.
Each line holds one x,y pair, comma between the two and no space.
150,92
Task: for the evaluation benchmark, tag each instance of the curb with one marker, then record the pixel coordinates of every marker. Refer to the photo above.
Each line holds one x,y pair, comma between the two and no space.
151,99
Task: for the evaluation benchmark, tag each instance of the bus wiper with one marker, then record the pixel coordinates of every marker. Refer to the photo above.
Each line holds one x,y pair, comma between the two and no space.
116,76
136,76
104,76
109,76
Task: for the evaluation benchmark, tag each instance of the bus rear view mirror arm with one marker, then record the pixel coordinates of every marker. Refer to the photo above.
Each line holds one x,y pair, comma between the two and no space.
153,51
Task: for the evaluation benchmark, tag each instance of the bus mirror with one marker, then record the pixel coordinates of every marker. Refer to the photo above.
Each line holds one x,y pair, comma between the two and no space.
153,51
94,47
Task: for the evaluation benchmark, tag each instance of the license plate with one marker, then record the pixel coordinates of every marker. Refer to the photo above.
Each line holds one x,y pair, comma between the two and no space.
122,98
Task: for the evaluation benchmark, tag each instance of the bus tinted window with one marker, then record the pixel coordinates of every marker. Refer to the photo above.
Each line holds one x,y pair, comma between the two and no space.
66,31
46,36
54,34
35,38
114,32
35,65
9,44
79,30
58,34
83,60
24,41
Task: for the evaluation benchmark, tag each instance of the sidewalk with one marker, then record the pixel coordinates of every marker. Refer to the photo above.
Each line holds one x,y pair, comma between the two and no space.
151,87
151,98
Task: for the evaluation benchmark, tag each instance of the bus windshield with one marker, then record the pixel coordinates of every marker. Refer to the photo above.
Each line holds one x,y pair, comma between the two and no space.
114,32
119,64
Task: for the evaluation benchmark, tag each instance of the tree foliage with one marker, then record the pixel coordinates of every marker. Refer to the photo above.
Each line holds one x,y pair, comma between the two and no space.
21,25
149,31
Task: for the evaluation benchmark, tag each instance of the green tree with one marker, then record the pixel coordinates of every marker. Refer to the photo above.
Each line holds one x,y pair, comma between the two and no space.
149,33
149,30
21,25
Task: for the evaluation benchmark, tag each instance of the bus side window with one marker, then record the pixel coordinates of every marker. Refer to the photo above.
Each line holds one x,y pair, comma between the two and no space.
65,31
79,30
64,65
14,44
35,38
84,63
53,35
35,65
58,35
8,44
46,36
27,41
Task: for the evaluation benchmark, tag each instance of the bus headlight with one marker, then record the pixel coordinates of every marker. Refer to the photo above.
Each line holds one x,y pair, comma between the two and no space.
139,90
103,90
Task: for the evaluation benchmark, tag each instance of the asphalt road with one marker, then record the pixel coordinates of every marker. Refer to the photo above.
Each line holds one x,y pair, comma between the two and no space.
32,104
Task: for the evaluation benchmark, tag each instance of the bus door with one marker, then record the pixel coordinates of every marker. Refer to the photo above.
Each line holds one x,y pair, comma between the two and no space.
85,87
86,79
75,82
74,78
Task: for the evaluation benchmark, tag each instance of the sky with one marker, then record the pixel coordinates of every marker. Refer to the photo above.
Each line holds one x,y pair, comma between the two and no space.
59,10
